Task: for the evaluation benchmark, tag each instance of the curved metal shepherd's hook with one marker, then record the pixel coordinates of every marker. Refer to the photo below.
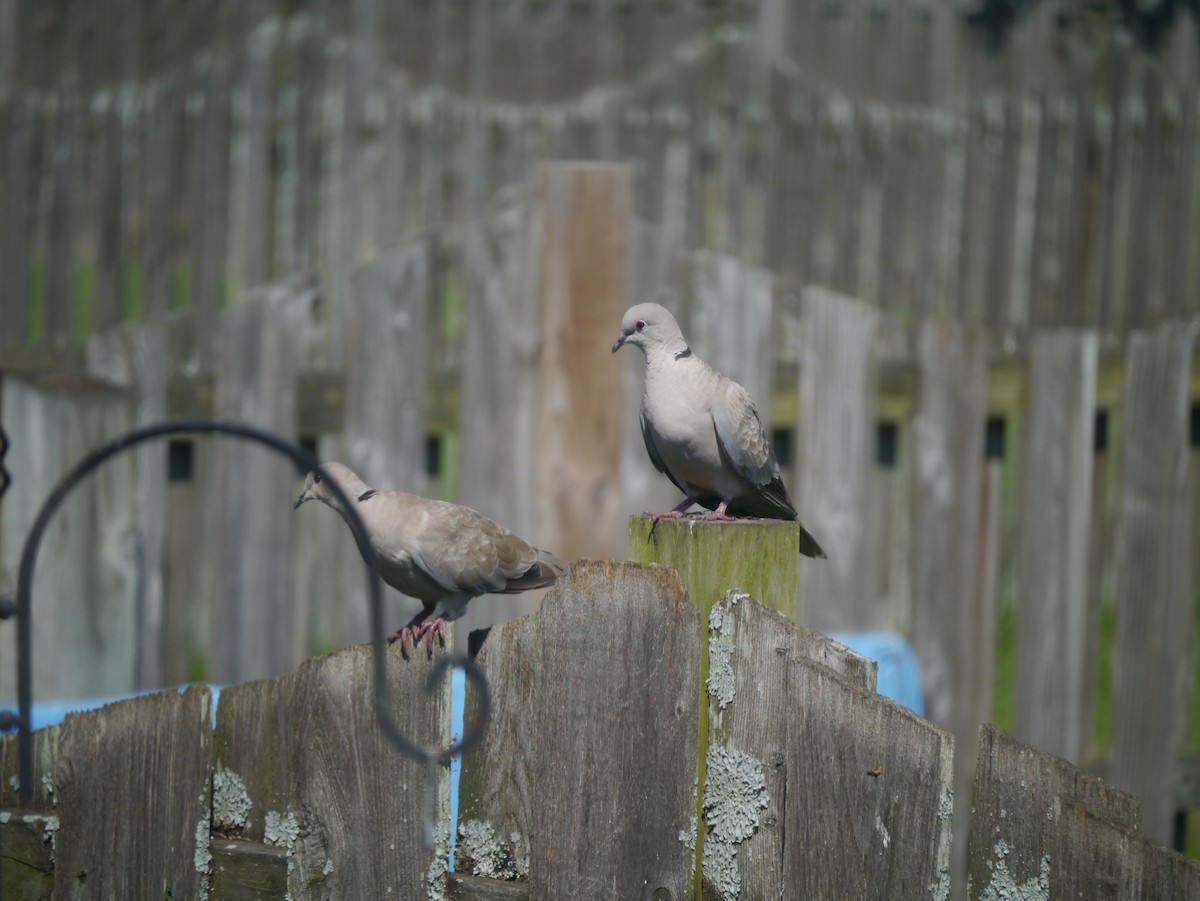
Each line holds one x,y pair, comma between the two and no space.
306,461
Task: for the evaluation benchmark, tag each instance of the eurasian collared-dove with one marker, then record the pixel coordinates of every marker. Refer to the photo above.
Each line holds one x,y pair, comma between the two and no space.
442,554
702,429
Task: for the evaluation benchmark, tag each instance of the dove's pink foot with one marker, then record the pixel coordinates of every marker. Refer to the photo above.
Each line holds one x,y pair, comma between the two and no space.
416,629
676,512
718,515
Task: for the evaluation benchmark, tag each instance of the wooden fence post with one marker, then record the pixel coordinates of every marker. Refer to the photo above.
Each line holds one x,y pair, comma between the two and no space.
583,290
1052,597
1152,653
834,466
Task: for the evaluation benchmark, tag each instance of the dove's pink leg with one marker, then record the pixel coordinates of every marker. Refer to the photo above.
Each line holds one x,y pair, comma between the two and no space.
676,511
412,630
719,514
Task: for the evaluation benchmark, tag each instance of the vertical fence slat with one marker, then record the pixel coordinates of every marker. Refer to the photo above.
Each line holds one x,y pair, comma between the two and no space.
948,447
1152,654
306,753
1056,495
833,473
614,646
1012,828
583,291
260,348
18,183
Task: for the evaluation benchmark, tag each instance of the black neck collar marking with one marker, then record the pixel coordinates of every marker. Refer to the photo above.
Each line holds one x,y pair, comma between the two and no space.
369,493
686,352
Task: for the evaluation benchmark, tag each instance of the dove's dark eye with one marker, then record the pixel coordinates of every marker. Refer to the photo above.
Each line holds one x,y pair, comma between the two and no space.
316,478
640,324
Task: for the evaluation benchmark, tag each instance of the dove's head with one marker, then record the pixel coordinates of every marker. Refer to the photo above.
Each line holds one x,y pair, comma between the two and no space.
316,486
650,327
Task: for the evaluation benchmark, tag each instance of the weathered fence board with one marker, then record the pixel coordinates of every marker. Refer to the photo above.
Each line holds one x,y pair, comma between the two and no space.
1012,823
300,762
750,701
870,790
261,344
142,763
578,417
83,592
1091,856
948,437
1052,598
836,451
560,775
1152,652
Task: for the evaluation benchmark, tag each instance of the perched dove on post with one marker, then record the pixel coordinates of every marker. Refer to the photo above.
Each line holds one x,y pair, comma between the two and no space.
442,554
702,429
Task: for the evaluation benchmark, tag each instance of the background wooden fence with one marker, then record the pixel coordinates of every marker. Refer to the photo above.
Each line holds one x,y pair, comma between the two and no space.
962,285
587,783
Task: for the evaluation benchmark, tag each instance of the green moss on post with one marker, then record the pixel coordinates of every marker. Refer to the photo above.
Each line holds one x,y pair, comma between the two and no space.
758,556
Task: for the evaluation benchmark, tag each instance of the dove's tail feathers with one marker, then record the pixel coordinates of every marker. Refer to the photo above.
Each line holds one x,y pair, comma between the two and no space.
809,546
543,573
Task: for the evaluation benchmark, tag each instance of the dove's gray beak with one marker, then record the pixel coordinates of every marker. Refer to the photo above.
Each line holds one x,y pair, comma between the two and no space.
300,500
620,342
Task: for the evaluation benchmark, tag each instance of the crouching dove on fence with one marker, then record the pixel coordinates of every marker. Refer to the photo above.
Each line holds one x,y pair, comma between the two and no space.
702,429
442,554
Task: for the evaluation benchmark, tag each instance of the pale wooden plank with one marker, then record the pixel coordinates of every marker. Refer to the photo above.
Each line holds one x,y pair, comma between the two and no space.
84,585
832,481
1152,648
947,452
250,234
583,291
1093,857
869,791
111,217
613,646
498,416
134,359
1012,828
1053,533
324,783
262,342
387,339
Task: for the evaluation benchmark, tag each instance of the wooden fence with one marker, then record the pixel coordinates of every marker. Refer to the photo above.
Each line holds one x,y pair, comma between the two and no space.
612,768
192,552
270,143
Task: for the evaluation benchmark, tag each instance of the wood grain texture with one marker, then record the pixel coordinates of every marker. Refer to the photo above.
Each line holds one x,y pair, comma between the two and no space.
1012,828
498,414
1093,857
566,763
869,792
749,703
26,860
948,437
460,887
248,492
1052,586
387,336
143,763
17,154
247,871
307,751
832,482
1152,653
583,291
